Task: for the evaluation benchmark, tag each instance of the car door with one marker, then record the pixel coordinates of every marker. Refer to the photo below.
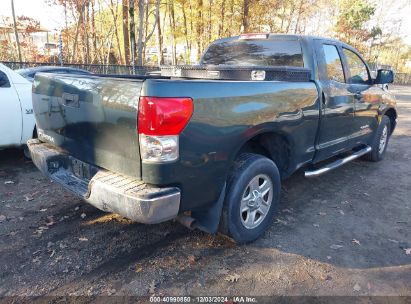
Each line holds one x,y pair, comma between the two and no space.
366,96
10,113
337,102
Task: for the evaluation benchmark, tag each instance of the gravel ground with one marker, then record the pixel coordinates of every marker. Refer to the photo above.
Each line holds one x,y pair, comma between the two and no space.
344,233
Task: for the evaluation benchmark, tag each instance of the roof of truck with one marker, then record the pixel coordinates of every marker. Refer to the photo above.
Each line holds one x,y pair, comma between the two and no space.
282,36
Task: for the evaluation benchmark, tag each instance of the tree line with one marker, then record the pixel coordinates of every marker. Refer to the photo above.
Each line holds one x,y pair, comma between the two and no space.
152,32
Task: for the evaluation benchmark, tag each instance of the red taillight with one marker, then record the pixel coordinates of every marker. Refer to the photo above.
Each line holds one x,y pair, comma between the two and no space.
163,115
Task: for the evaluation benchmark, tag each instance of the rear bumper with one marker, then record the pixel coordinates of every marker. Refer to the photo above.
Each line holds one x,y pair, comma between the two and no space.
107,190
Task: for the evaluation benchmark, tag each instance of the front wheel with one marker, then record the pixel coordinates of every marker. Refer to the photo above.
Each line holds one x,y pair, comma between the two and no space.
380,143
253,193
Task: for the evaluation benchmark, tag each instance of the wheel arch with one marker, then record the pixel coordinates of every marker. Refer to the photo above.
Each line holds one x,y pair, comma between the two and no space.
391,113
275,145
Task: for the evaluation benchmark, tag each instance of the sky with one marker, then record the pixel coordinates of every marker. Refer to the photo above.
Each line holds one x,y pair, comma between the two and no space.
52,17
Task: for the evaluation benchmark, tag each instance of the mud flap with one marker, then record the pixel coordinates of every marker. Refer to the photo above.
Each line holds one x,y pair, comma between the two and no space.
209,220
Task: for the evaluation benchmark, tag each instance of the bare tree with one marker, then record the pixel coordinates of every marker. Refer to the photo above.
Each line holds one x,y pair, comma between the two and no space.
246,22
140,32
125,32
15,30
159,40
132,33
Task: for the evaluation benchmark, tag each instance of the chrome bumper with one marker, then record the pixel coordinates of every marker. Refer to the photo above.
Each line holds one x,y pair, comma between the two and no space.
106,190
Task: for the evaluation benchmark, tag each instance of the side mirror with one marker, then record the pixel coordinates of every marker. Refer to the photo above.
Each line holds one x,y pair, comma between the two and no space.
384,76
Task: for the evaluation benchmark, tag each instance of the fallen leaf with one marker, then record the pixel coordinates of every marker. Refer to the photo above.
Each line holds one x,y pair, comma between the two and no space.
50,221
281,222
407,251
223,271
83,215
2,218
191,259
152,287
357,287
336,246
356,242
83,239
35,260
139,269
8,182
232,278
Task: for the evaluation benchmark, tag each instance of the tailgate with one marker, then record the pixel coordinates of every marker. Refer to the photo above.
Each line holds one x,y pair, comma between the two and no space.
93,118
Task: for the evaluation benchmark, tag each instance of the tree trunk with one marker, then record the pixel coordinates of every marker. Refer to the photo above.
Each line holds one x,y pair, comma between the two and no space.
15,30
300,11
140,32
114,11
86,32
80,18
125,32
210,2
188,47
93,32
159,41
221,27
132,34
173,32
199,28
246,22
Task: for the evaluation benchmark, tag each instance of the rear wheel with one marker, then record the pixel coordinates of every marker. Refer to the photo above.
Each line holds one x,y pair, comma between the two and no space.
380,143
253,193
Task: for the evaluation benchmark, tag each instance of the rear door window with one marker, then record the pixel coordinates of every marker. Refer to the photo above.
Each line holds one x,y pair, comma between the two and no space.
267,52
333,63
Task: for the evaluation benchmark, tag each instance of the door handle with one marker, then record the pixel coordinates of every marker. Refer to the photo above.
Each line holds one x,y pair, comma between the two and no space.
358,96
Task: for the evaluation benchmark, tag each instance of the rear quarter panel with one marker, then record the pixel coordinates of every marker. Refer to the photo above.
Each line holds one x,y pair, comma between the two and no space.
226,115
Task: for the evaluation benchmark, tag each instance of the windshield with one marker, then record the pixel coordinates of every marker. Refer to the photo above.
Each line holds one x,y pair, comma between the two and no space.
255,52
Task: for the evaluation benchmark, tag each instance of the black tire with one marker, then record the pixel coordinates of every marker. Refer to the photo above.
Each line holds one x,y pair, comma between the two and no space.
26,152
377,154
249,170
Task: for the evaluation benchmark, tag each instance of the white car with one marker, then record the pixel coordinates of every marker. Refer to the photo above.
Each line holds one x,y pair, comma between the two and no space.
17,123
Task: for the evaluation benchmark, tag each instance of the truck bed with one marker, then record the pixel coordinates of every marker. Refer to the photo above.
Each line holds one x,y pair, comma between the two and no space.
94,119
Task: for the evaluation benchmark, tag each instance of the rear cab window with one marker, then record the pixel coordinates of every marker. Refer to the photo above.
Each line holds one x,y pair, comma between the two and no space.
255,52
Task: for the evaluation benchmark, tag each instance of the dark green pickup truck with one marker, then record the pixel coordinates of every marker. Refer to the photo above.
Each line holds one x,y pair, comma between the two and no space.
209,144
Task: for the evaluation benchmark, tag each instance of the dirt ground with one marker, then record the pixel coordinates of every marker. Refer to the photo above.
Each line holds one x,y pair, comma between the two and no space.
344,233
